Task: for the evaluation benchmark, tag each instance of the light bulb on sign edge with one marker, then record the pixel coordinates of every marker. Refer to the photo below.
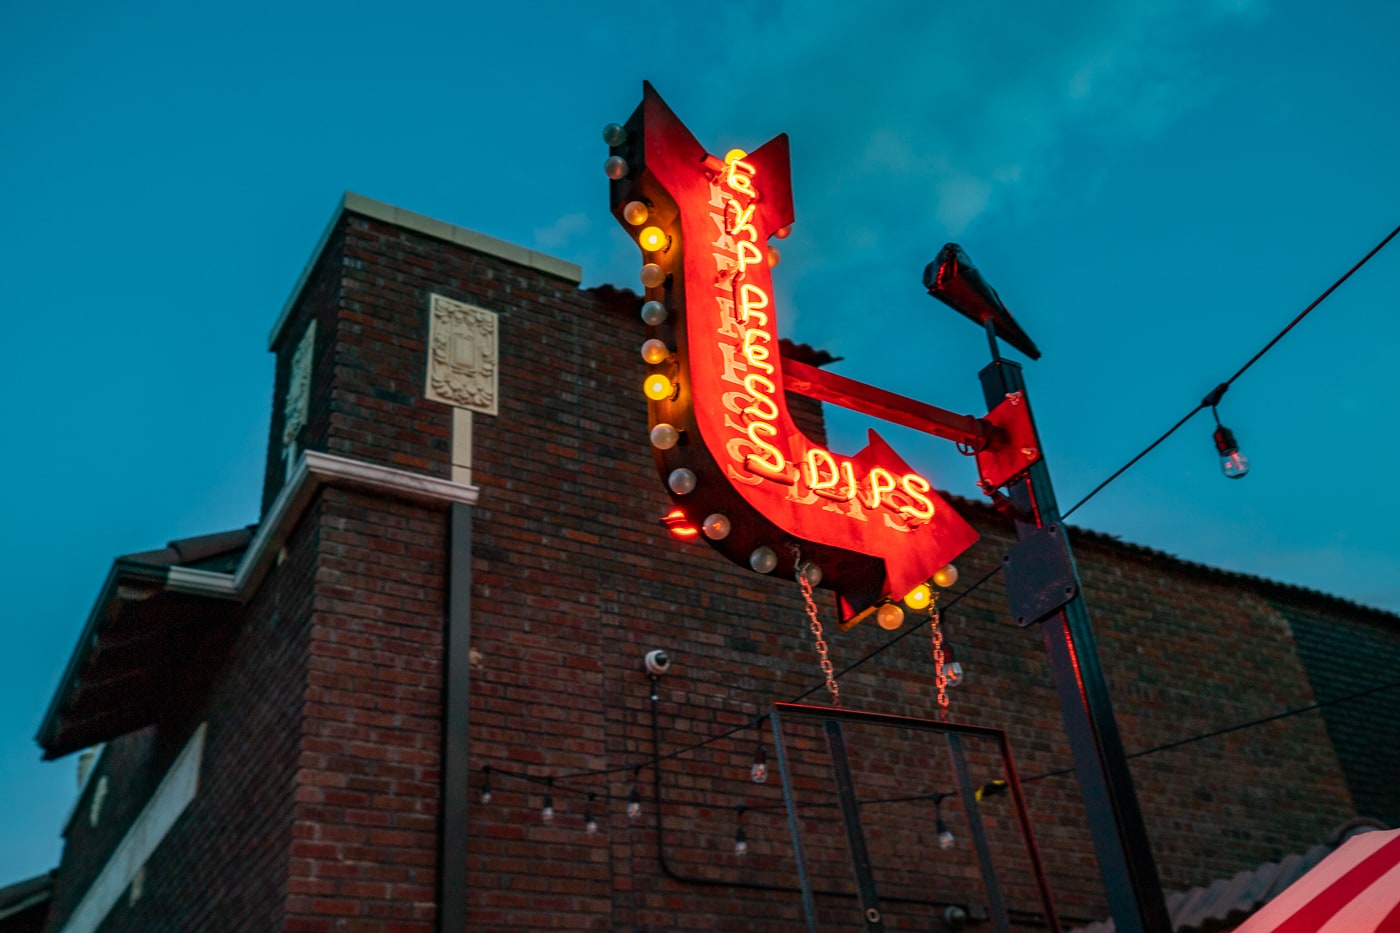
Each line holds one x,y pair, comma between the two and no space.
1232,463
615,168
812,572
783,233
664,436
946,576
652,238
658,388
763,559
652,275
655,351
919,597
614,134
773,256
653,312
716,526
889,616
681,481
734,155
635,213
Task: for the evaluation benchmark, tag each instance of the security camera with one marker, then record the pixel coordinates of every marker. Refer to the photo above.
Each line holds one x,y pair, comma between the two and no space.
658,662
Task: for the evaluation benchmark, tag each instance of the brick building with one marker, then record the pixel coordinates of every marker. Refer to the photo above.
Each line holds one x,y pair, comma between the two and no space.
453,586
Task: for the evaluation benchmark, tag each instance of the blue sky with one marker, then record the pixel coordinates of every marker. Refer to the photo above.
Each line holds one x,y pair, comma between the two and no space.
1155,188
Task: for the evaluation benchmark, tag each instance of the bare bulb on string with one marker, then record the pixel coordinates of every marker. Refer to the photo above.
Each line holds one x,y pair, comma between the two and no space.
634,799
590,822
759,772
485,784
547,811
741,838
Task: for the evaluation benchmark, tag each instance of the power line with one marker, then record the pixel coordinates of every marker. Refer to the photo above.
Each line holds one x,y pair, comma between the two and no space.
1220,389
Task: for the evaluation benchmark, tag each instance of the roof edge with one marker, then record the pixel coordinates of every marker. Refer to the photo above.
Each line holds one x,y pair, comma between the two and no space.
353,203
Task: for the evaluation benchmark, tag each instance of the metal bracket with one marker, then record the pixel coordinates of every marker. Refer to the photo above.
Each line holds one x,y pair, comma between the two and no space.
1040,576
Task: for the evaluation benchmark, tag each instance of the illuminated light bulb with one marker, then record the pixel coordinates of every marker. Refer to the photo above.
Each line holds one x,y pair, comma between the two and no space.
716,527
655,351
615,168
741,842
653,312
485,784
664,436
590,822
946,576
634,801
812,572
681,481
652,275
773,256
614,135
635,213
657,387
1232,463
763,559
759,772
734,155
547,811
919,597
652,238
890,617
953,673
783,233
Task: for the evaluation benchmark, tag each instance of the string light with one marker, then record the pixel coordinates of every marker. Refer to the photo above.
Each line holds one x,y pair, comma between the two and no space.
547,811
759,772
741,838
634,798
590,822
946,839
1232,463
485,784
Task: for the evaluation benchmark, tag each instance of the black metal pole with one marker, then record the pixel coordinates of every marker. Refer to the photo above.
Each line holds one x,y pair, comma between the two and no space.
1115,819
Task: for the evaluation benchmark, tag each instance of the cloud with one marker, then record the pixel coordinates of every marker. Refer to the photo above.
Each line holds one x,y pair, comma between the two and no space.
562,232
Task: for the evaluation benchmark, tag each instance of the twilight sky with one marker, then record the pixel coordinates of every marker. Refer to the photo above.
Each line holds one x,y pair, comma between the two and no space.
1155,187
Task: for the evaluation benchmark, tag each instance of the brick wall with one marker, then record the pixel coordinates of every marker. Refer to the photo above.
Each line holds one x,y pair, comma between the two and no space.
318,810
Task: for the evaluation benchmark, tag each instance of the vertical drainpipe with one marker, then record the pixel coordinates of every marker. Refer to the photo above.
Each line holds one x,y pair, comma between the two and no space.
452,835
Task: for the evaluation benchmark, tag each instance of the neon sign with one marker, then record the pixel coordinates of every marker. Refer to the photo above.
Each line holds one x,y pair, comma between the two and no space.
754,483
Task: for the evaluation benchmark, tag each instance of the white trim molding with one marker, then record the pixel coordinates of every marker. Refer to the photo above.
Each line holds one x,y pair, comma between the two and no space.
174,794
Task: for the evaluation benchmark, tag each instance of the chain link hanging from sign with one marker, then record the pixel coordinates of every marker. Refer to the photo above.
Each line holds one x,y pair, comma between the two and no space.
940,675
815,625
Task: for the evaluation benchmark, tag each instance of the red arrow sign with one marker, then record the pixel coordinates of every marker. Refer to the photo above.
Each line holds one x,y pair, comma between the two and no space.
861,516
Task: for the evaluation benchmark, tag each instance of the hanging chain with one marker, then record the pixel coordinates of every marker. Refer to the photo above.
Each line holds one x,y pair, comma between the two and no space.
940,676
815,624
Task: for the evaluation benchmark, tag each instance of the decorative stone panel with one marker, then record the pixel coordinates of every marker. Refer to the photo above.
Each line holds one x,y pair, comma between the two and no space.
463,355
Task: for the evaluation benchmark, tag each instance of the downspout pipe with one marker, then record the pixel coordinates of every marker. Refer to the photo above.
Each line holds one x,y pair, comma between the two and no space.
457,631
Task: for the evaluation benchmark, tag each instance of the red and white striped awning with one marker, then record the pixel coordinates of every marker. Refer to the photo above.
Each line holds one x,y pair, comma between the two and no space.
1356,889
